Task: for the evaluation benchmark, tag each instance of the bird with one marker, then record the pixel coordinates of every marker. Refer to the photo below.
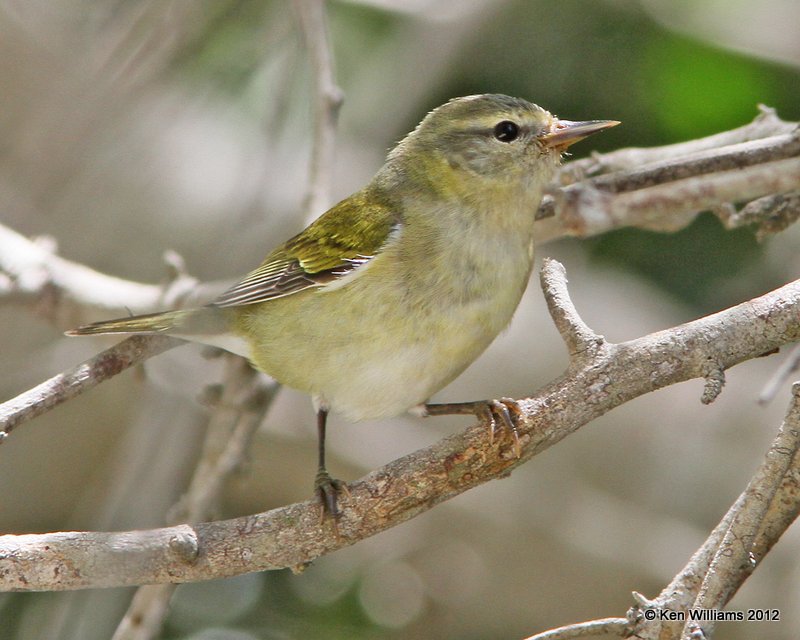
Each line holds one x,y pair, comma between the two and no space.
390,294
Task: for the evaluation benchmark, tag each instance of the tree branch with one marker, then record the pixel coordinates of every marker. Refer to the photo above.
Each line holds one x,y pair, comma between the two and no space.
583,343
659,188
670,189
753,524
239,409
30,265
765,125
293,536
84,376
589,629
734,559
781,375
31,270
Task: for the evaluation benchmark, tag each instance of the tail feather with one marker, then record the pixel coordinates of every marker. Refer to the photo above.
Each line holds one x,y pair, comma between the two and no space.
206,325
148,323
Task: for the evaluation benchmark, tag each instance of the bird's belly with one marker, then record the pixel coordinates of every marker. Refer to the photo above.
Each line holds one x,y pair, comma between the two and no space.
373,350
392,374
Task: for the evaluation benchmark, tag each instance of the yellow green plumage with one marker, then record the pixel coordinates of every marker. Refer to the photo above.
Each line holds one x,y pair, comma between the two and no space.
394,291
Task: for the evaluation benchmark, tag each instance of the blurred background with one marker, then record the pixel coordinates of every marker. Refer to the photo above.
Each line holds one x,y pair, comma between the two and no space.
133,127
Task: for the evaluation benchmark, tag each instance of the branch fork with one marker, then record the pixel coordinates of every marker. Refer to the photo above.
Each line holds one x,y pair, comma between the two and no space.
599,379
600,376
583,344
767,507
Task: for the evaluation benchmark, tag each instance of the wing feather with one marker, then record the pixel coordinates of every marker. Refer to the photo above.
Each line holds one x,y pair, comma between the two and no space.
338,243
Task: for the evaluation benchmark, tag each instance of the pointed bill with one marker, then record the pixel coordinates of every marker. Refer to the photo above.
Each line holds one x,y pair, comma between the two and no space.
566,132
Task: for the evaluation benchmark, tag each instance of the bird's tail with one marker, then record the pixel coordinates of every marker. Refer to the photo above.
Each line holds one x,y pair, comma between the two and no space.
163,322
206,325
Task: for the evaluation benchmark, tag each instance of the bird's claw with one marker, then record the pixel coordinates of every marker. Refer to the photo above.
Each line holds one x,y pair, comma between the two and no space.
502,413
328,490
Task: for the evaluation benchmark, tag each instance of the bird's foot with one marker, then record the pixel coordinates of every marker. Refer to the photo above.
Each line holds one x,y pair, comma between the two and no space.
498,414
328,490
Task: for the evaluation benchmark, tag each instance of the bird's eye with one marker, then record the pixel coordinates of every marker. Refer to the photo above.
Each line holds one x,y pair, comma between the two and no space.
506,131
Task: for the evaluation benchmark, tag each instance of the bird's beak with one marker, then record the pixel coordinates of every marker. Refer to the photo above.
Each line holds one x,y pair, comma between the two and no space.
564,133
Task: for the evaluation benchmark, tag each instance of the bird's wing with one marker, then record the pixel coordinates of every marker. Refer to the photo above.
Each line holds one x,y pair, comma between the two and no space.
339,242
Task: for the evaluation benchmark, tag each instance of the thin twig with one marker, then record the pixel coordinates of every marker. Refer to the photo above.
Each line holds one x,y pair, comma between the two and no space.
734,560
781,375
684,589
734,156
771,214
30,265
30,269
584,210
293,535
591,628
238,412
146,613
76,380
237,415
664,188
765,125
328,99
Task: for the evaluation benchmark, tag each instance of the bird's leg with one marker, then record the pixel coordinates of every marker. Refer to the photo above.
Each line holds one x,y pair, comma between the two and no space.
326,487
496,413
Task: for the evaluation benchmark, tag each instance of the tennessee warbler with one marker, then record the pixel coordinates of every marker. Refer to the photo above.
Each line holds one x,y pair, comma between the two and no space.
393,292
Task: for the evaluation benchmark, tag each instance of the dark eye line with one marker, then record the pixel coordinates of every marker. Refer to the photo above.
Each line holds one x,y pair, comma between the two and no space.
524,130
489,132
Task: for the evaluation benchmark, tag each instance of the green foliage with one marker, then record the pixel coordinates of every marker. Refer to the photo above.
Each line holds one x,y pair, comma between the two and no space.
695,90
691,264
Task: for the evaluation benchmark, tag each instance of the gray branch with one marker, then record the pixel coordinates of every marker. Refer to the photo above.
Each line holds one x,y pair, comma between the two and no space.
753,524
65,386
238,412
328,98
589,629
292,536
31,272
658,188
664,188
